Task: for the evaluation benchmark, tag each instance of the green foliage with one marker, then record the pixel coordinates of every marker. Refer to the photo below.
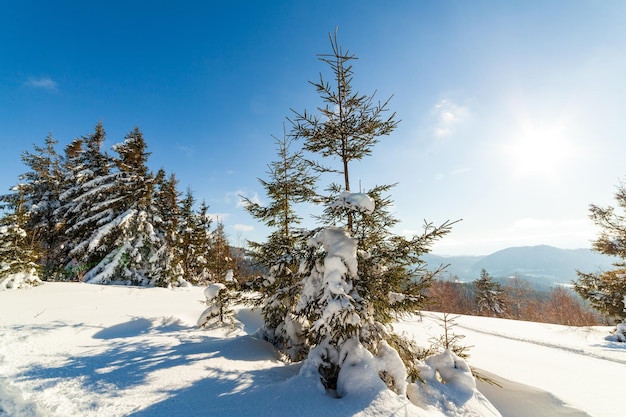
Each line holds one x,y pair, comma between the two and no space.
289,183
350,124
606,291
220,260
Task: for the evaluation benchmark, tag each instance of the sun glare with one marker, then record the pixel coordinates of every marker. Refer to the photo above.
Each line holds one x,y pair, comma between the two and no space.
539,153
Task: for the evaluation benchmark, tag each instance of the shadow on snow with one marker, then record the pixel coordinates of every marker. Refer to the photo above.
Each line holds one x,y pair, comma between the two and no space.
139,347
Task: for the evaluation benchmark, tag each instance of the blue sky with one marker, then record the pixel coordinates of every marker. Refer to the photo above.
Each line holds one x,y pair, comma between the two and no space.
512,112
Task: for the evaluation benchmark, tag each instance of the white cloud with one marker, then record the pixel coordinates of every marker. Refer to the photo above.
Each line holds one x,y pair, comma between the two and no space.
243,228
45,83
218,217
448,115
238,196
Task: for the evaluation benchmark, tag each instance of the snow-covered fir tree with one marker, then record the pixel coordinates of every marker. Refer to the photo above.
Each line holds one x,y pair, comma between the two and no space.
219,299
219,257
606,291
166,218
489,295
125,245
39,190
194,240
100,218
289,182
19,251
87,184
356,276
72,164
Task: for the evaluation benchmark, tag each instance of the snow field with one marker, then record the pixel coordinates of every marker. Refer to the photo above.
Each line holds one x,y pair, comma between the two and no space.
70,349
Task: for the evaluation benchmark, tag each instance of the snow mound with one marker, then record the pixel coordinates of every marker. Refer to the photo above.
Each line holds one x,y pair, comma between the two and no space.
450,387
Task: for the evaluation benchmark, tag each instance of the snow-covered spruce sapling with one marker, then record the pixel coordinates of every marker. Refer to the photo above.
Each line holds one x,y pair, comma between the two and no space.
329,300
449,340
219,299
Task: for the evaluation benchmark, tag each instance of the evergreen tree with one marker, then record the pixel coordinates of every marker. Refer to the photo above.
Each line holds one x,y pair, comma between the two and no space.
197,258
290,182
167,219
489,296
19,251
220,262
39,192
349,125
606,291
87,215
85,203
125,245
194,240
219,299
72,164
351,302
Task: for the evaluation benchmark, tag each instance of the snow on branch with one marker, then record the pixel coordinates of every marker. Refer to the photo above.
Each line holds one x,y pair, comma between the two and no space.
359,202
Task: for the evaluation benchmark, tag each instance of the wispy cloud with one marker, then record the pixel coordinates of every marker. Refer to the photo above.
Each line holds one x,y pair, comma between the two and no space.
238,198
448,115
44,83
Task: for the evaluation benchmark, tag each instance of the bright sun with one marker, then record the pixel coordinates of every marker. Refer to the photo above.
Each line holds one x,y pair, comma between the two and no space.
539,153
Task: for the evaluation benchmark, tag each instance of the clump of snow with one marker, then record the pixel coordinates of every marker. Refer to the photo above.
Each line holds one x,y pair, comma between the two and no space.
391,364
395,297
213,290
449,386
229,276
19,280
359,371
339,246
620,332
359,202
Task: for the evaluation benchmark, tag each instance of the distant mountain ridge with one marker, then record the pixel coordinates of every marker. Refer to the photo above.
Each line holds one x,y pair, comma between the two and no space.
542,265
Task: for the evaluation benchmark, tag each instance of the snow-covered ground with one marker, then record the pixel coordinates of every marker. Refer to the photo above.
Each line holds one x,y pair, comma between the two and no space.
89,350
